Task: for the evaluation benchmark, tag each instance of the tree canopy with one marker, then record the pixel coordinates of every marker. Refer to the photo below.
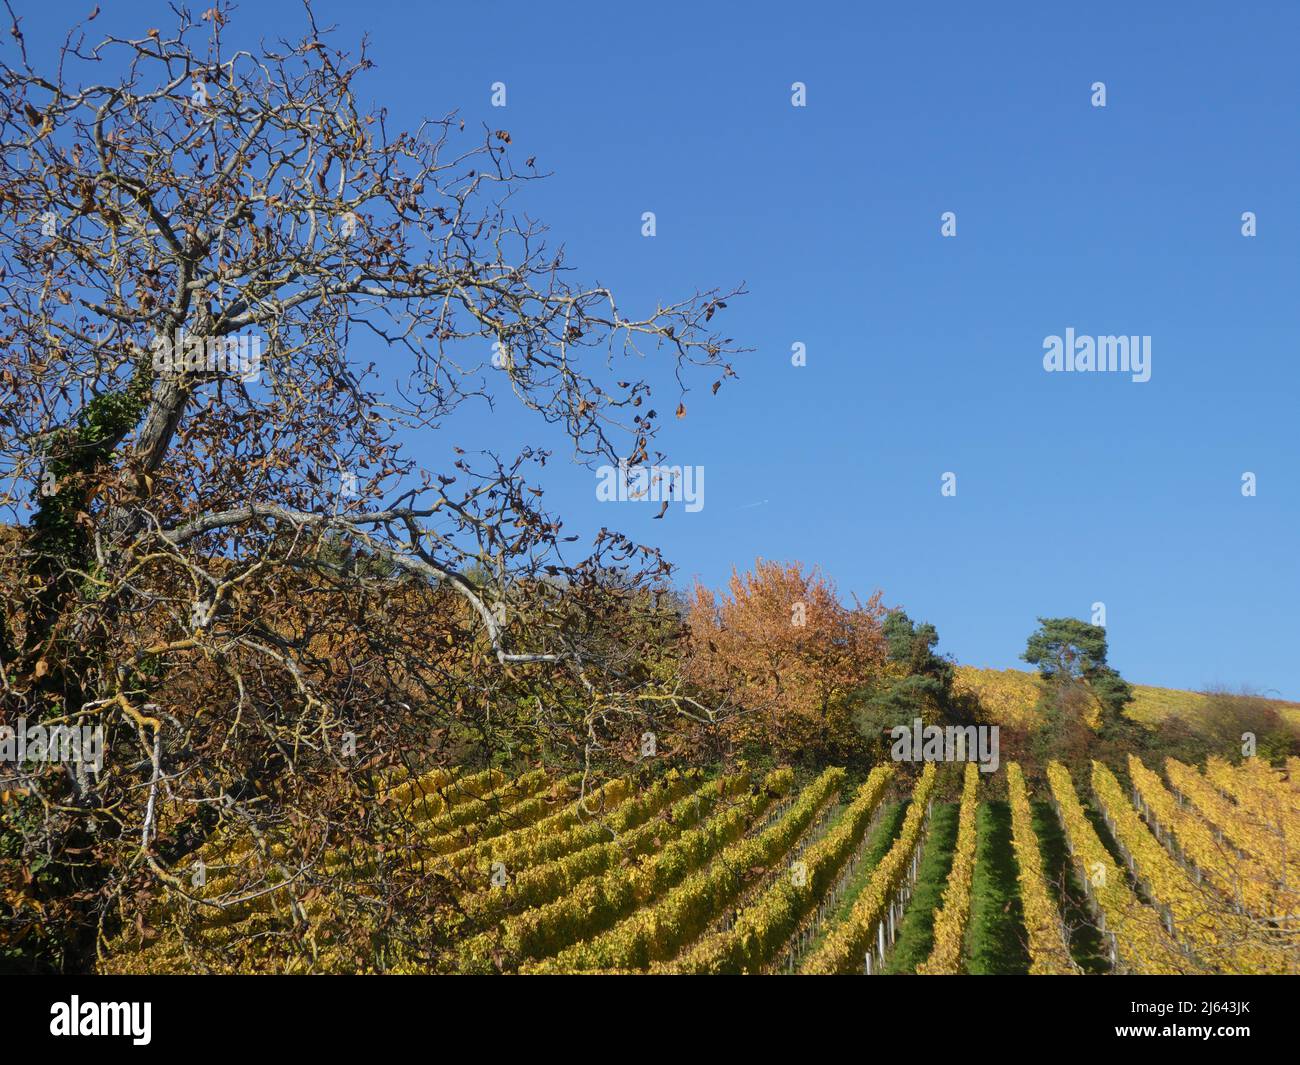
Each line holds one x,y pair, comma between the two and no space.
1070,652
230,291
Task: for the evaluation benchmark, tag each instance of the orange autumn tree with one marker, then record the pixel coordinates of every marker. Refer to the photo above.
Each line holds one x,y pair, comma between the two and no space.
780,655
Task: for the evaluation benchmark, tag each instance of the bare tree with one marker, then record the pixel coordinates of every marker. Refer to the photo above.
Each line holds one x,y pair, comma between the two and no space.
218,549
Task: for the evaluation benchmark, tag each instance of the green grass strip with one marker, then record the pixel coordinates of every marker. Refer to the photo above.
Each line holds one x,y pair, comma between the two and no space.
996,942
916,932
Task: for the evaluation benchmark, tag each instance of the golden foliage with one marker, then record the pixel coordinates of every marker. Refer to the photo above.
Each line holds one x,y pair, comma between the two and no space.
1049,954
950,923
784,652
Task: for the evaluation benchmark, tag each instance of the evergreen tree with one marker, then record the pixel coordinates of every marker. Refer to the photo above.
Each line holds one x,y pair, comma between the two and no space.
1071,654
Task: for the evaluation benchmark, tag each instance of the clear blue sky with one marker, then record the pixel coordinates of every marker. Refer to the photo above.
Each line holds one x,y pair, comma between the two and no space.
924,353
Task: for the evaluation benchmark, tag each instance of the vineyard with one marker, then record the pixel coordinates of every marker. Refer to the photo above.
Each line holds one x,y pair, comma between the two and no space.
1010,697
1185,870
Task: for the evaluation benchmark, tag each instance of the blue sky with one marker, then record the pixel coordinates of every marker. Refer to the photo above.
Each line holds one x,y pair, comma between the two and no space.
924,354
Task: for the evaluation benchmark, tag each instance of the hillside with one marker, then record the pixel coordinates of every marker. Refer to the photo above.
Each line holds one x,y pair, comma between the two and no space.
1009,695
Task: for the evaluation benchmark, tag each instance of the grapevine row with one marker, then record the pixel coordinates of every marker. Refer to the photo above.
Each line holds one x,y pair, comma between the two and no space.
1049,954
762,929
846,944
440,789
598,903
1260,792
431,798
1240,879
523,802
538,884
1230,822
1139,942
1225,940
465,814
658,932
601,806
950,923
399,788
